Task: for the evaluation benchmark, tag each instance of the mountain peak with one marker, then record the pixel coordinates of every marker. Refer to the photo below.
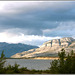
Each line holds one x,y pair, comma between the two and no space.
64,39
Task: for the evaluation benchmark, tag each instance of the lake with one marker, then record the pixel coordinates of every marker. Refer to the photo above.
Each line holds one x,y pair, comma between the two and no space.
30,63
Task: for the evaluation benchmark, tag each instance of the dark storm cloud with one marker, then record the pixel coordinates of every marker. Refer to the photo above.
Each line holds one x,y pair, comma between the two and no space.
34,21
49,15
27,22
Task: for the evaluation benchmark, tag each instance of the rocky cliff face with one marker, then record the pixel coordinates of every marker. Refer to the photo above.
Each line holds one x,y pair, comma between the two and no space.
49,48
63,42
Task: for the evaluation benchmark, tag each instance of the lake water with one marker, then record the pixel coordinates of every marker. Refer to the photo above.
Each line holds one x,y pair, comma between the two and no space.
30,63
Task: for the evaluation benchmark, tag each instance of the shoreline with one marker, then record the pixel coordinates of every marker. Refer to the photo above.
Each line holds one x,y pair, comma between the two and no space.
41,58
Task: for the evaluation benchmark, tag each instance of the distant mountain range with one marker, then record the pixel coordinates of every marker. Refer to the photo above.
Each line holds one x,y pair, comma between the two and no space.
49,48
11,49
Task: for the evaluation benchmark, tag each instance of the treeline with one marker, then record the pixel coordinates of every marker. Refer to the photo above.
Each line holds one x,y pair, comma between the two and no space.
64,65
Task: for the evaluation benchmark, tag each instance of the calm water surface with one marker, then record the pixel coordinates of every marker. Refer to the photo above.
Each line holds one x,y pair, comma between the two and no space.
30,63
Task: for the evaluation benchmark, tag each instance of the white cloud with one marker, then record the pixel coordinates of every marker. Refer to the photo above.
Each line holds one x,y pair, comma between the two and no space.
27,39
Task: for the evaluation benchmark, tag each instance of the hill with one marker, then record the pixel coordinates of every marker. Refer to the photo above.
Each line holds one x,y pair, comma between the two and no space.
11,49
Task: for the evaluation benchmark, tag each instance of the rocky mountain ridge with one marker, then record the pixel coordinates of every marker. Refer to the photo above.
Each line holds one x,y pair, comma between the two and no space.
49,48
64,42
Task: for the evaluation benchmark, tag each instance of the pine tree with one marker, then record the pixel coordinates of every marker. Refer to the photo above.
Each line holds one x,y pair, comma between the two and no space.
62,56
57,66
72,52
2,61
62,66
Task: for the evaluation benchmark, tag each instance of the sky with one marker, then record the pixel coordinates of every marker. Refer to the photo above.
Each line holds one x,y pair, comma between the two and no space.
34,22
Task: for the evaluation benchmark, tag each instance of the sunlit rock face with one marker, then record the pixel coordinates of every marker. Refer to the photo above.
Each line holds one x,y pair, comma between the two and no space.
55,42
48,48
66,41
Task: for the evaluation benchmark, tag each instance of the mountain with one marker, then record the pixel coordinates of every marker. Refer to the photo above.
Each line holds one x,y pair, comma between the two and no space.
49,48
11,49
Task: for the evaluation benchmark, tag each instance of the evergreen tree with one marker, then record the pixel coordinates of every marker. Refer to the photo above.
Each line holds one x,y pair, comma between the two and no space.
62,56
54,67
65,64
72,52
2,61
